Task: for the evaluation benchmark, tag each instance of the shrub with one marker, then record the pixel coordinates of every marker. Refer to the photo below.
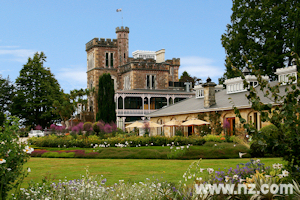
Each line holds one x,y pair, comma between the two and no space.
96,128
87,126
179,132
13,156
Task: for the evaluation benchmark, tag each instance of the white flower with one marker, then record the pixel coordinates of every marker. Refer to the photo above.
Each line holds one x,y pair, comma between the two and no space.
201,170
187,147
280,175
28,149
189,177
268,176
8,169
210,170
227,178
29,170
199,179
279,166
285,173
171,147
235,177
215,145
275,166
2,161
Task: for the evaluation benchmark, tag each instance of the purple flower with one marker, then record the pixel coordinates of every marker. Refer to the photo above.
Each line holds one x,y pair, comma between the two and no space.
103,181
107,128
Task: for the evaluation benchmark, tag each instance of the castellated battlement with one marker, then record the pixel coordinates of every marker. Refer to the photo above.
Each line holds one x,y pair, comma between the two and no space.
101,43
122,29
174,61
141,64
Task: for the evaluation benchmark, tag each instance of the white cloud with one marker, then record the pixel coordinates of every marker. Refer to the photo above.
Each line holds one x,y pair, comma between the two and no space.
19,55
200,67
72,78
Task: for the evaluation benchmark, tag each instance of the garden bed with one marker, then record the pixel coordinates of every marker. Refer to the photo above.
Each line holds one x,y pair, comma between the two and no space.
209,150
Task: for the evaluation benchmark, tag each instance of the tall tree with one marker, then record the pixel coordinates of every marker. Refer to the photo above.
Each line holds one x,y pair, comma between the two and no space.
36,90
105,99
6,95
186,77
262,32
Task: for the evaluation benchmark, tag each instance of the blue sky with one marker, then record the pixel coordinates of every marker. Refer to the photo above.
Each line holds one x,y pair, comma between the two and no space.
189,30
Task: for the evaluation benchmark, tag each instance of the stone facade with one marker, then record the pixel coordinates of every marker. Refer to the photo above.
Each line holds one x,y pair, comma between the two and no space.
111,56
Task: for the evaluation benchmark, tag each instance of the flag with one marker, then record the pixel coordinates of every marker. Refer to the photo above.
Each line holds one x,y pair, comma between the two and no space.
119,10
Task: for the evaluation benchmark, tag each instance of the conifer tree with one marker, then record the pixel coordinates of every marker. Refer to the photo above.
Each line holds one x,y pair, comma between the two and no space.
105,99
36,90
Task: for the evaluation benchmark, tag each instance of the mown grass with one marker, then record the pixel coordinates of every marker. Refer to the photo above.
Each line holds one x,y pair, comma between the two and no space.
134,170
209,150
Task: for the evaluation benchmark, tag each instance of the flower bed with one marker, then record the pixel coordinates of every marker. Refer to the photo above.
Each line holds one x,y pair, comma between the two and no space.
86,142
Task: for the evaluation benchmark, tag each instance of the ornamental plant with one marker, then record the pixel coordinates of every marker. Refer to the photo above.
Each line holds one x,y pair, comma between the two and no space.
283,114
13,155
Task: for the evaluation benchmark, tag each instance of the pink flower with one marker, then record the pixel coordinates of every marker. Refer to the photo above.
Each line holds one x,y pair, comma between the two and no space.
38,127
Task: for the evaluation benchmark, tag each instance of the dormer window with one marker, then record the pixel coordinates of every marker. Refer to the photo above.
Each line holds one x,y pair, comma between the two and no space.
235,85
285,73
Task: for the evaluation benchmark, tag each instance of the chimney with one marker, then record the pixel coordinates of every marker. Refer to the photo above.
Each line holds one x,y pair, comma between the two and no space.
188,85
209,93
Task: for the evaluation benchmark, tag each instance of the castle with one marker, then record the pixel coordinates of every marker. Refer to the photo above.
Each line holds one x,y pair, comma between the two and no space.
143,83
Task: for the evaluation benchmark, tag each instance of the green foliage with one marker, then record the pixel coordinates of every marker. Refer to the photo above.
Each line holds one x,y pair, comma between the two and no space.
283,114
2,118
105,99
12,156
36,91
96,128
6,94
179,132
177,152
251,36
215,126
186,77
81,141
87,126
63,107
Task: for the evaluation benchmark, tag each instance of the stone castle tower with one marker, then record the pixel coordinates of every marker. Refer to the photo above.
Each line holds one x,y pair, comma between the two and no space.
146,73
104,56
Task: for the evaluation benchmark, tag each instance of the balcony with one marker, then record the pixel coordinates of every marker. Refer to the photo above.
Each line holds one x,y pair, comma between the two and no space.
133,112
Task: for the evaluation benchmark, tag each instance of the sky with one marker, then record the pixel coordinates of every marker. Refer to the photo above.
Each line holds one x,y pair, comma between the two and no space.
189,30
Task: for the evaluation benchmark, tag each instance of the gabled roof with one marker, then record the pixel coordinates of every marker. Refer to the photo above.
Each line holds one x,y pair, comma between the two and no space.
224,101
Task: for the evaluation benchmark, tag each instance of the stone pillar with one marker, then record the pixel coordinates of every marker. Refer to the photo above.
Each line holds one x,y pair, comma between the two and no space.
209,93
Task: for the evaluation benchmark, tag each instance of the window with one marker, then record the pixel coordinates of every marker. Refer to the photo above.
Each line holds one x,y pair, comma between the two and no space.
111,59
150,82
106,59
126,83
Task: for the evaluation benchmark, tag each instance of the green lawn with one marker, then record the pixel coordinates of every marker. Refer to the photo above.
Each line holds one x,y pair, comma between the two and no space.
124,169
